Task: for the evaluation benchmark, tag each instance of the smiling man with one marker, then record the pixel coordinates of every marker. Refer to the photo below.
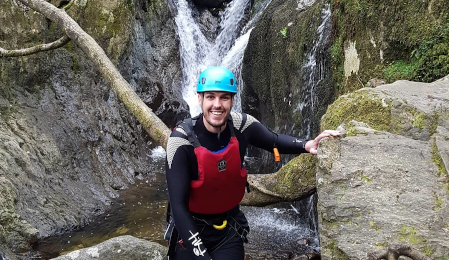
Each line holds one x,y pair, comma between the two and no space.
216,107
205,174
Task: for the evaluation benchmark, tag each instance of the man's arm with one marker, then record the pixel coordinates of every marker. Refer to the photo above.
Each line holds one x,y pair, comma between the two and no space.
261,137
178,175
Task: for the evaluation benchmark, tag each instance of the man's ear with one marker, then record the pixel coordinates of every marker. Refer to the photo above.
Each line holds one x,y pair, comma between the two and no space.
200,99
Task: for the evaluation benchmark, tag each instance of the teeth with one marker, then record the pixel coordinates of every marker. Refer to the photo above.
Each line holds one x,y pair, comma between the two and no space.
217,113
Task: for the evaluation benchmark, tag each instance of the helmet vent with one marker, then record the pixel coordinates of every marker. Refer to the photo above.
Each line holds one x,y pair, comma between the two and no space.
203,80
232,81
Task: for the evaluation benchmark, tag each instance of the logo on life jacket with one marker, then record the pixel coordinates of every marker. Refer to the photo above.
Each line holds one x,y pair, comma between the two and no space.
221,165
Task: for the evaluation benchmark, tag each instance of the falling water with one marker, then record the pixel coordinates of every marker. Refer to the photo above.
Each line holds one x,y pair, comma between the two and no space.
314,73
197,52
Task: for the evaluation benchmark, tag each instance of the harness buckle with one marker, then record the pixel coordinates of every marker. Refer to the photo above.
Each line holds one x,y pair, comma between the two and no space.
222,226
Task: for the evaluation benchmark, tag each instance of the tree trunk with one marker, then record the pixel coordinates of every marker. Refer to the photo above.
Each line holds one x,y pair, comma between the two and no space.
157,130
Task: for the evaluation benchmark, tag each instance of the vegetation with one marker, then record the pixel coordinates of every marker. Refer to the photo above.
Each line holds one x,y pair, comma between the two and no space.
359,106
399,42
284,32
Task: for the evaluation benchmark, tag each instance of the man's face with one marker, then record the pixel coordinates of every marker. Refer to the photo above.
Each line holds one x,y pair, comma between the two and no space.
216,107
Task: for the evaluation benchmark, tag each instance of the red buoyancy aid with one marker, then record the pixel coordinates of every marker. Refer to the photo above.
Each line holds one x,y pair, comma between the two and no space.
221,178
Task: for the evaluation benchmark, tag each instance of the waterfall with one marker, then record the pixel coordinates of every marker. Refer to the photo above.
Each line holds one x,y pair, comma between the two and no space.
198,53
314,73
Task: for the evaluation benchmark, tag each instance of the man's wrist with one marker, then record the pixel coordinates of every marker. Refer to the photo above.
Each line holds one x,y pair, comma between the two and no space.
305,146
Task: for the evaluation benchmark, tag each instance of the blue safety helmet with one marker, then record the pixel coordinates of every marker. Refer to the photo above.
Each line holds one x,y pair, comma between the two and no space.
216,79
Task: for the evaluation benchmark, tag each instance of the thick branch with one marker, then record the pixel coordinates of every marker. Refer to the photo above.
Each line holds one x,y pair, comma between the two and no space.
157,130
35,49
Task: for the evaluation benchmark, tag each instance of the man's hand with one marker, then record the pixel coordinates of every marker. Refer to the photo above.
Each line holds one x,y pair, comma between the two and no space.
312,145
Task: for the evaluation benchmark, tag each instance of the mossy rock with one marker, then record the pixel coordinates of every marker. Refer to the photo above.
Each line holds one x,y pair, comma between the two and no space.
383,111
361,106
292,182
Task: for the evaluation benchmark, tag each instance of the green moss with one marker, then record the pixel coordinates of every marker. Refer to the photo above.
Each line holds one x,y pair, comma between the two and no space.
360,106
352,131
330,225
373,225
409,234
438,202
400,70
436,158
300,170
75,64
284,32
382,244
442,258
335,251
427,251
365,179
401,121
419,121
394,45
432,54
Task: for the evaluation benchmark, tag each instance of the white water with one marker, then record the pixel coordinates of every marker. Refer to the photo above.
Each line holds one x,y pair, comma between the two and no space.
197,53
315,71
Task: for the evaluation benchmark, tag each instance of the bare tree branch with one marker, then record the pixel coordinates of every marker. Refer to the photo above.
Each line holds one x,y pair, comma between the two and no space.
157,130
35,49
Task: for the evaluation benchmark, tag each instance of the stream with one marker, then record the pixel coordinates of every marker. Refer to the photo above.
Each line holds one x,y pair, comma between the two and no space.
279,231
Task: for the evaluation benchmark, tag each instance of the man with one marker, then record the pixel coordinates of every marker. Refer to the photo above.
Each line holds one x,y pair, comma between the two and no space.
205,174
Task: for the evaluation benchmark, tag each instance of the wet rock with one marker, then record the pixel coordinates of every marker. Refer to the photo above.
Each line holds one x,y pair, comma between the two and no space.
211,3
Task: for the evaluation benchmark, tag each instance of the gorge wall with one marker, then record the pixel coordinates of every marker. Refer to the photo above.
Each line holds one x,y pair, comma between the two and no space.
67,144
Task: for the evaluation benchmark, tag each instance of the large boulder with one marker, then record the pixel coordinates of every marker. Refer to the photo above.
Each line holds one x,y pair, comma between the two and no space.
385,182
123,248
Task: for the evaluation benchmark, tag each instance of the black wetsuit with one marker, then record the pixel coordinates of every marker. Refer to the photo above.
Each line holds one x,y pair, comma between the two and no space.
182,168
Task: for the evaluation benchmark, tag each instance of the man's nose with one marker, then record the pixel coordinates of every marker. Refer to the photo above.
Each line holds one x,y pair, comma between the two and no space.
217,102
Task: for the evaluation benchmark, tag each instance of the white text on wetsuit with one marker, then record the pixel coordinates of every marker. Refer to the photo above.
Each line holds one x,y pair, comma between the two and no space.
197,244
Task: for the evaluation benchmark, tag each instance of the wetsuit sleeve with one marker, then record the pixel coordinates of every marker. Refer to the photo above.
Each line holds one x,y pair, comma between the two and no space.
261,137
178,176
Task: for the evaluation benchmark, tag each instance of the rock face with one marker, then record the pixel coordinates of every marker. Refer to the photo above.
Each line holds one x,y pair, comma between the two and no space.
278,73
385,181
388,40
123,247
67,145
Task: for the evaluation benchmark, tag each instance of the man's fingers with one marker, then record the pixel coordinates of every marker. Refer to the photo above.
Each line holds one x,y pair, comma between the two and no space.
332,132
